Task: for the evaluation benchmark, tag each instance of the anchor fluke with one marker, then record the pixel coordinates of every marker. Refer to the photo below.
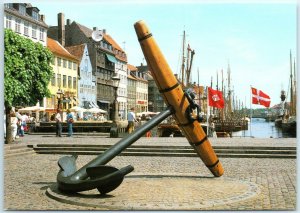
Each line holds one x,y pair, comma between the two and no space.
111,176
104,178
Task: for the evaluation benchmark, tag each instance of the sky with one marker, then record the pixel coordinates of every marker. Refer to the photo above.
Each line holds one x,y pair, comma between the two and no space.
254,39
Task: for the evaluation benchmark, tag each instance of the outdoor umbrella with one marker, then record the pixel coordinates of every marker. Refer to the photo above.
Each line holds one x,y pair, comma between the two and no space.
32,109
96,110
77,109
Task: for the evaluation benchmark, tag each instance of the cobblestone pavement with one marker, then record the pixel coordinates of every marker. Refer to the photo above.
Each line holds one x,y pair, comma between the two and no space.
157,183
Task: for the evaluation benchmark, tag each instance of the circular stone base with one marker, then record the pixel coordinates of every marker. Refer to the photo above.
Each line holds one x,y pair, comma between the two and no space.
163,193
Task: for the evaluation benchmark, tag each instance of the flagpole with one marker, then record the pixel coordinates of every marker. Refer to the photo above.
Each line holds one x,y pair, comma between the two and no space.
250,110
207,112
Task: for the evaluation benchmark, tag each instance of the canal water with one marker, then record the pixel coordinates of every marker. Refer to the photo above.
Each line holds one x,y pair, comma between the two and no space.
261,129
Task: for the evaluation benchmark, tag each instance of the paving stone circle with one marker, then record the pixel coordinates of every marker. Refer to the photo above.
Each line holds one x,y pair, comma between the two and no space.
163,193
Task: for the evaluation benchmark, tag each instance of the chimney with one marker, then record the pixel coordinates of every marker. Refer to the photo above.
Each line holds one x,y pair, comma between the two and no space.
61,28
104,31
68,22
42,18
95,28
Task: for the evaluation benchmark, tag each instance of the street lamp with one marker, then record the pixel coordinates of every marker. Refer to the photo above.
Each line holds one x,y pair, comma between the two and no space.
116,81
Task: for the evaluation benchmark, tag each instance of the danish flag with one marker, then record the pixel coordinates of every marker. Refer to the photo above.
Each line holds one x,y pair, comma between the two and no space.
215,98
259,97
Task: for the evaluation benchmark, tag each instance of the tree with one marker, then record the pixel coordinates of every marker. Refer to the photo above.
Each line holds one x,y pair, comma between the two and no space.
27,73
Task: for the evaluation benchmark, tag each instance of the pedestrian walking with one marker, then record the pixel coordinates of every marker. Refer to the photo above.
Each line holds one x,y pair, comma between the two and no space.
58,123
14,126
131,119
70,121
19,116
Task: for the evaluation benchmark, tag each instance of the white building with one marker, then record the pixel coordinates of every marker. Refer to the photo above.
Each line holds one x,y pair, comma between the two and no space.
86,84
25,20
121,70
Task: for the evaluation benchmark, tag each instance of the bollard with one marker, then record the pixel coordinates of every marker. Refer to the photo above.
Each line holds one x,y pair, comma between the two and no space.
174,96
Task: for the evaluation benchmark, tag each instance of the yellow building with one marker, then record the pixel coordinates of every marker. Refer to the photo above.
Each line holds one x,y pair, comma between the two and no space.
63,85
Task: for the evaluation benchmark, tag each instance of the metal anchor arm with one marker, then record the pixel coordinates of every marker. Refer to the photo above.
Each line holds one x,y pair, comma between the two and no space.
80,180
125,142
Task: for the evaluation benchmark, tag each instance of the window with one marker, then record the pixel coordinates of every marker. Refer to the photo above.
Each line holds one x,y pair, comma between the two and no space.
8,5
22,9
70,64
64,81
53,60
42,34
59,80
18,26
74,83
85,65
34,31
35,15
64,63
53,80
26,28
59,61
74,66
69,82
8,22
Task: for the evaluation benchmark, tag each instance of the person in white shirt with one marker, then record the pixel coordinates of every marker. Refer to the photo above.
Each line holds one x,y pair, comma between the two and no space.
58,123
14,127
131,119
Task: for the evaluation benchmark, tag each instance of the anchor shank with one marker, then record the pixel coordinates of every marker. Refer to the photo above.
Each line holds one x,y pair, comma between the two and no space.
123,144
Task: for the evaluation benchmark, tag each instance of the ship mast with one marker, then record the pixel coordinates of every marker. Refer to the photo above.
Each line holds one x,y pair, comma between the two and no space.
229,109
295,88
182,65
222,85
292,94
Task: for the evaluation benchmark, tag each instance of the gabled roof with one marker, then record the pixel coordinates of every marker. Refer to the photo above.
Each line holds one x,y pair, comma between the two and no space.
77,50
115,45
27,17
56,48
110,40
87,31
131,77
132,68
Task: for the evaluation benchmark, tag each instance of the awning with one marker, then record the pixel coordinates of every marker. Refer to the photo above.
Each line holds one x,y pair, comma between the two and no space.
104,102
94,105
111,58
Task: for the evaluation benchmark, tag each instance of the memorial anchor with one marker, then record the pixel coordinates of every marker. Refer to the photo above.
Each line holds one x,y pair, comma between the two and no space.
181,105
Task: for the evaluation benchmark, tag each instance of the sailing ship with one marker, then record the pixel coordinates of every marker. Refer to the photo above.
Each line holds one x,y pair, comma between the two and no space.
232,117
169,128
278,120
289,123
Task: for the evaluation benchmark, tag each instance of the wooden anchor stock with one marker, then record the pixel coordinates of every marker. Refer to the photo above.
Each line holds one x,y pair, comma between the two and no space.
174,96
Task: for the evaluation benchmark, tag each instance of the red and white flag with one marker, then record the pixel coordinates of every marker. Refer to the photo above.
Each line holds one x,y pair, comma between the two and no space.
215,98
259,97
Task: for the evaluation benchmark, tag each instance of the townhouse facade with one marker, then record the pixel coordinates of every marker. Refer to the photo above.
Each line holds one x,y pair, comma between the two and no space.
101,55
155,99
131,87
63,85
25,20
141,89
86,82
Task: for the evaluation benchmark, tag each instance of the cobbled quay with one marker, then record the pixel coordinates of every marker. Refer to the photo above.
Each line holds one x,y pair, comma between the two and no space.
157,183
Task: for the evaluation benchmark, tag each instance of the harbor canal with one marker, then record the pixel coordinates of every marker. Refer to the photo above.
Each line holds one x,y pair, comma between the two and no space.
259,128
